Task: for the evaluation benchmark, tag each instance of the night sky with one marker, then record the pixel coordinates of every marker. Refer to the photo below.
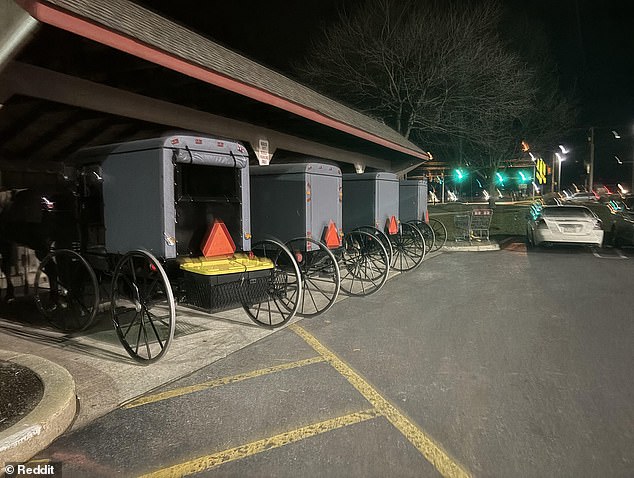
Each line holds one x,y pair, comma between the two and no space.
591,41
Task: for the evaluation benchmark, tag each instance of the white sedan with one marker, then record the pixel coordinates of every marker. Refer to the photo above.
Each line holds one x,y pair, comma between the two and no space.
563,224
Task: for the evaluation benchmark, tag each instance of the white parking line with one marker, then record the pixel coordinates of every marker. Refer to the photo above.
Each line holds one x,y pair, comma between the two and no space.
618,251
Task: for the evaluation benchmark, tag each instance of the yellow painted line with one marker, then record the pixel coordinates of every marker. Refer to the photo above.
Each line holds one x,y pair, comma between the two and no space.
200,464
177,392
439,458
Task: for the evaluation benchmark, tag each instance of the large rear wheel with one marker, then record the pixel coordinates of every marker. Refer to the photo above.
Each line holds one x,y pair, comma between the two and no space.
280,297
142,306
364,264
321,279
427,232
440,234
381,236
409,248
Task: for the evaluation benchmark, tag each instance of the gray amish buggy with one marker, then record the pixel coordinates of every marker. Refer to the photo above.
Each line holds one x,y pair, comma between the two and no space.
413,210
301,203
162,222
371,204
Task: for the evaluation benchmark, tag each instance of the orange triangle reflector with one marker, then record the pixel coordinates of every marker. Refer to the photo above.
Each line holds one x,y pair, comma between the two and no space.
331,236
391,225
217,241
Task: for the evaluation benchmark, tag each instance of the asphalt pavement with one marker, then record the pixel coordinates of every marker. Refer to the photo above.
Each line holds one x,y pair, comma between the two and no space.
503,363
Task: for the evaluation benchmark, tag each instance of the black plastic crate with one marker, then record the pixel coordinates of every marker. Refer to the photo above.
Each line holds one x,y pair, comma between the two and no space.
220,292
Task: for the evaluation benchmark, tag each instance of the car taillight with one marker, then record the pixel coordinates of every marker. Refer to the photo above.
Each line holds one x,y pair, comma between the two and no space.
541,224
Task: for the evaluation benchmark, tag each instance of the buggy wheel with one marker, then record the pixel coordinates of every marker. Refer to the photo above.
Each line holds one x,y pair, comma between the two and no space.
365,263
385,240
427,232
70,299
320,275
142,306
409,248
440,234
279,299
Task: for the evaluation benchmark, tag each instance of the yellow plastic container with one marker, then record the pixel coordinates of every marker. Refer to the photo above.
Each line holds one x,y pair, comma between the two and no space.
233,264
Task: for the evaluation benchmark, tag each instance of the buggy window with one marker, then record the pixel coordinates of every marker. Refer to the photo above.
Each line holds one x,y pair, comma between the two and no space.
200,182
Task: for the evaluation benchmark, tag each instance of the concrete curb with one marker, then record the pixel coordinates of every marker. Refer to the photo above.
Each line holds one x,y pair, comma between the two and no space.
466,247
48,420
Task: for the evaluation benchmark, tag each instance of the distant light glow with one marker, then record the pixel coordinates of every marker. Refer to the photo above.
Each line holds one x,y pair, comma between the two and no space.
563,149
616,135
618,160
533,159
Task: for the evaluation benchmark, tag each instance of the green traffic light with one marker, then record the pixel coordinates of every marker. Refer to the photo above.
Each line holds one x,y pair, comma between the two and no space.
460,174
525,177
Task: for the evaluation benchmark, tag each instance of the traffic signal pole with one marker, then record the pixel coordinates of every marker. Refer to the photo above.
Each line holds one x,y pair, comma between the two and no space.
591,171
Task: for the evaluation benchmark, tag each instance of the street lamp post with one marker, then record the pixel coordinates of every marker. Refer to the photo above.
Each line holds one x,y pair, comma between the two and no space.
591,170
560,158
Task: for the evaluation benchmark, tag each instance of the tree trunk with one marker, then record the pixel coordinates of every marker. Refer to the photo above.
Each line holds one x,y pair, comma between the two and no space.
492,188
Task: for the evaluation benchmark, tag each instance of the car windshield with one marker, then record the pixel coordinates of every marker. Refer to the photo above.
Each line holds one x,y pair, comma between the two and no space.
580,212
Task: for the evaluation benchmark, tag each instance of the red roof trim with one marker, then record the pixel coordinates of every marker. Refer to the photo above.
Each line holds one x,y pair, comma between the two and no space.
48,14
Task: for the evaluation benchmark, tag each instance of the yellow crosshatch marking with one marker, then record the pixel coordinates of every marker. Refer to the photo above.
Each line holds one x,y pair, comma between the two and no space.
177,392
440,459
203,463
433,452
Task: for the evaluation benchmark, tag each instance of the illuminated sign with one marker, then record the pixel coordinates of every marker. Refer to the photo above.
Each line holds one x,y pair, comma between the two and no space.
540,171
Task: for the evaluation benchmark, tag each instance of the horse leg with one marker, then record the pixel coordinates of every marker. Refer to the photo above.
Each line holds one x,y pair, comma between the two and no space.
50,269
6,250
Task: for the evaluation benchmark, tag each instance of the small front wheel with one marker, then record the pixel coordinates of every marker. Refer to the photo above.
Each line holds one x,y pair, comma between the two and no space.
69,299
142,306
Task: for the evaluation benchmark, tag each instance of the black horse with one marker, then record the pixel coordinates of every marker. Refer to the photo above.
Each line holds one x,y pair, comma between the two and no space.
38,220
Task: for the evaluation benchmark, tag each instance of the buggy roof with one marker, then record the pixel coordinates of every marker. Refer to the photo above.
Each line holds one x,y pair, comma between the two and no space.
188,148
374,176
323,169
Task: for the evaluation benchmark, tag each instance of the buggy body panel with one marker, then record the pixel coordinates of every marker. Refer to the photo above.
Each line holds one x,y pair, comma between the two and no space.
370,199
162,194
413,200
295,200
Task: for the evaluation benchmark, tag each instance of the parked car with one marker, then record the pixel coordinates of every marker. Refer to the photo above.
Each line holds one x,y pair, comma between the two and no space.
563,224
582,197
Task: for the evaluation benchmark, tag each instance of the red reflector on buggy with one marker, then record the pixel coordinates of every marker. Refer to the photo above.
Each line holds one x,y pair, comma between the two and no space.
427,217
218,241
391,225
331,237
